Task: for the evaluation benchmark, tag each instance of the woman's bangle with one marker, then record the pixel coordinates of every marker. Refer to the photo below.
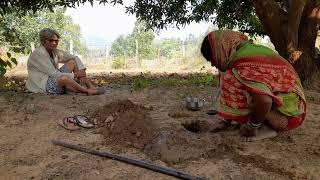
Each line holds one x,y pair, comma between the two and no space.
254,125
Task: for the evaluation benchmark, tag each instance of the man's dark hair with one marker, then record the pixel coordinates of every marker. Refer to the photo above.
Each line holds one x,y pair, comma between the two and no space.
206,49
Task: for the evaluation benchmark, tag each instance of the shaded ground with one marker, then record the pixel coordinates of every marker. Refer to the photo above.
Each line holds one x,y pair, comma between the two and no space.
147,125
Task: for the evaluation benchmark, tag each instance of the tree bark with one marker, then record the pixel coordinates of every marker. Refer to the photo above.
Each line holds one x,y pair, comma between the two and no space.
295,12
293,32
306,64
272,19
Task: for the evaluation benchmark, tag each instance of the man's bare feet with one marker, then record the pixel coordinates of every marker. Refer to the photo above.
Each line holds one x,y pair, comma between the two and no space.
221,125
257,134
96,91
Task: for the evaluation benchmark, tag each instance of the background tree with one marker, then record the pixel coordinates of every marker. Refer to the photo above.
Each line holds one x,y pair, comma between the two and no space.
175,47
144,37
120,47
193,45
17,32
170,48
24,7
126,45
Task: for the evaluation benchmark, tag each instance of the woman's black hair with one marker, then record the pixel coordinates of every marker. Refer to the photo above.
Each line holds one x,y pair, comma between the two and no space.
206,49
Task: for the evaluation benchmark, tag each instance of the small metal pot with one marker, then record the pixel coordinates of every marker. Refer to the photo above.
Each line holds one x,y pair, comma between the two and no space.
194,104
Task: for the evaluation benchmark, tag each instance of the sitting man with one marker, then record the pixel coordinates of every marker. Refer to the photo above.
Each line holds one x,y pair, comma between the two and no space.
44,75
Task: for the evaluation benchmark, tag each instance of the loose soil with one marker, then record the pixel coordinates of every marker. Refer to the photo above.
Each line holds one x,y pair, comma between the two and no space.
152,125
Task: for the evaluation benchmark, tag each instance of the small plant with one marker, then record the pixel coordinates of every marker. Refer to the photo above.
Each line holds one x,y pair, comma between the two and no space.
118,64
146,80
199,79
8,84
143,81
6,61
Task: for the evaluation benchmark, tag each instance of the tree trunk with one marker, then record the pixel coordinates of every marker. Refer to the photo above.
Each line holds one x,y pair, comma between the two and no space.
272,20
293,33
306,65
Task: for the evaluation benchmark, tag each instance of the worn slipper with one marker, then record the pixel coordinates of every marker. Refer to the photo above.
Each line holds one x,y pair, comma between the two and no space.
82,121
69,124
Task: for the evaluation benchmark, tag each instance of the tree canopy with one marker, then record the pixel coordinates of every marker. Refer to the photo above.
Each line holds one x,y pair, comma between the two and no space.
140,38
18,32
160,14
150,48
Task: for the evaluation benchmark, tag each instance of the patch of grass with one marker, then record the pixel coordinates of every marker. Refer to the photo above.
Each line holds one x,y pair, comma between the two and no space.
118,64
142,83
146,80
31,108
23,102
206,80
22,99
9,85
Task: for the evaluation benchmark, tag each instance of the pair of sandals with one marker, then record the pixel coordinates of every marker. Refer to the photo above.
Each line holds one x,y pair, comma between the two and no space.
75,122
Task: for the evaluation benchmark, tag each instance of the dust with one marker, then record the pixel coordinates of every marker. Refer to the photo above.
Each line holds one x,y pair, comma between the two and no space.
178,114
269,165
124,123
27,153
175,147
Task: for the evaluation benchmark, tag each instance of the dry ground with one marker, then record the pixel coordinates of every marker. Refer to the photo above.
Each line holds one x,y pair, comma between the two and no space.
155,118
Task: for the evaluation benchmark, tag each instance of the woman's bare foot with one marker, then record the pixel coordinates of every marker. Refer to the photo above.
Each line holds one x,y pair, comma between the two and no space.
221,125
256,134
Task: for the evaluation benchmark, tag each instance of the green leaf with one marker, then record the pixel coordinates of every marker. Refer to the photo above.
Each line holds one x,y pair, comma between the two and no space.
2,63
14,60
2,71
9,64
9,55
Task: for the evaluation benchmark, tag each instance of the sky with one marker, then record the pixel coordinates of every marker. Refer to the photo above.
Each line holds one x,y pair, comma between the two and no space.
102,24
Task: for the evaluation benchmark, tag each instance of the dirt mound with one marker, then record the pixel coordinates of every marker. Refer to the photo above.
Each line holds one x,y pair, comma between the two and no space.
178,146
125,123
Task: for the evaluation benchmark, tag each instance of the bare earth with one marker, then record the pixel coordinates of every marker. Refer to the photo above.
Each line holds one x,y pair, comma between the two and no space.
150,125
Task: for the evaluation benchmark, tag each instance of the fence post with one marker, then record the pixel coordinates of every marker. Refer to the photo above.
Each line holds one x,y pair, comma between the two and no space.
137,53
183,49
32,46
71,46
107,51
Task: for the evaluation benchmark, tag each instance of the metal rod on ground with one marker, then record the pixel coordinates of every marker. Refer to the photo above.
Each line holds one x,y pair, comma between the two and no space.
156,168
